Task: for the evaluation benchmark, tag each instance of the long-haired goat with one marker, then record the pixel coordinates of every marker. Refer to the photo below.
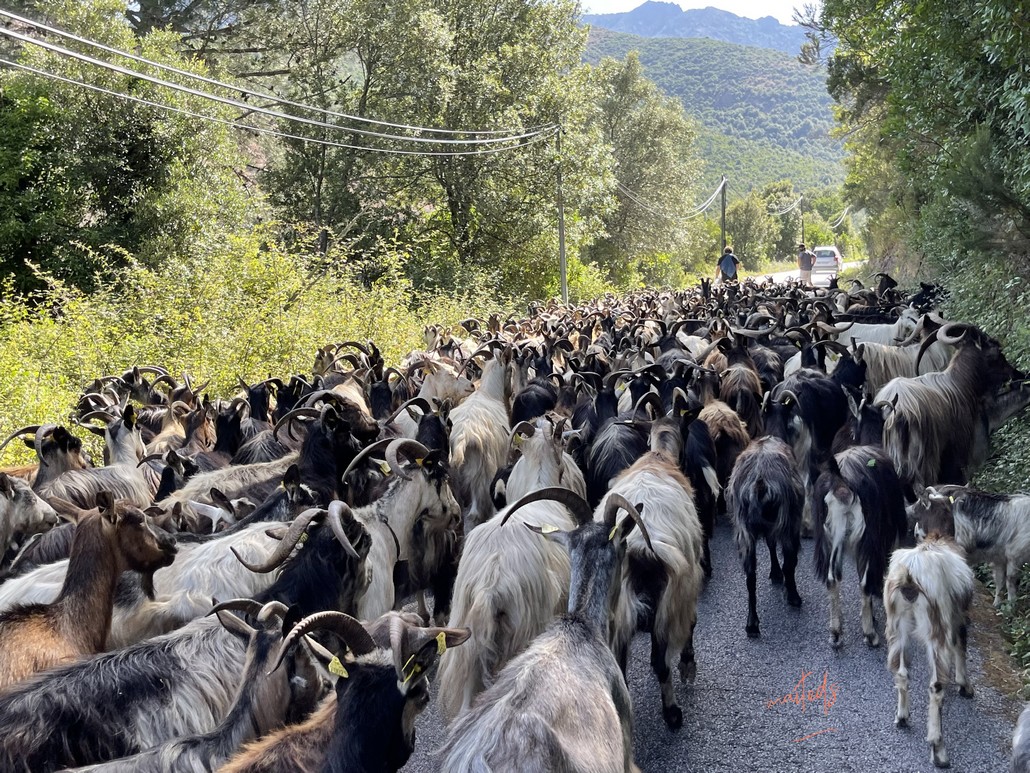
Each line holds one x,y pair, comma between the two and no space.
992,528
21,511
37,637
765,498
858,509
562,704
927,595
510,584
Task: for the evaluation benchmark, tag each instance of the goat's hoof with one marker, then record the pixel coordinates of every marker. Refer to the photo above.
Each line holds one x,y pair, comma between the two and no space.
776,578
707,568
752,631
940,757
836,640
965,690
806,532
900,721
794,598
673,716
688,671
872,640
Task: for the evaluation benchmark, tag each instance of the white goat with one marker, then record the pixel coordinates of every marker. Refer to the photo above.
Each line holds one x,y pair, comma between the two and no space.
510,583
926,597
479,441
21,511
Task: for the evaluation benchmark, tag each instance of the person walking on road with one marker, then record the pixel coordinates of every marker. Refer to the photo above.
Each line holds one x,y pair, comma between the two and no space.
728,263
806,258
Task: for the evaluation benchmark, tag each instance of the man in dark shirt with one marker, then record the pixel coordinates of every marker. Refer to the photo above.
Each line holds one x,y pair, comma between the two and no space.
728,265
805,260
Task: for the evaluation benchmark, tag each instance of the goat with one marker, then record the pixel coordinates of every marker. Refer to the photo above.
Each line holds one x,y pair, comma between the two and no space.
479,441
1021,744
765,497
265,700
661,580
509,584
729,436
926,596
992,528
122,476
859,509
368,725
937,426
21,511
562,704
57,451
37,637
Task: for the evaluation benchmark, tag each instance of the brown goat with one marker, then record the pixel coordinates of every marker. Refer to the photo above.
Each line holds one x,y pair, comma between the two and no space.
108,541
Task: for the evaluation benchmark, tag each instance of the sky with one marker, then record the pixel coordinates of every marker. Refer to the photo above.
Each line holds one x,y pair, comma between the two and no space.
783,10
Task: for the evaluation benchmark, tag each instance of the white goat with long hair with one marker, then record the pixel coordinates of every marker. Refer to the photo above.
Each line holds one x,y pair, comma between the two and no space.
510,583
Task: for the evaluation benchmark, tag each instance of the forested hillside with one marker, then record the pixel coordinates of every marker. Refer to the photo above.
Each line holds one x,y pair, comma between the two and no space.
763,116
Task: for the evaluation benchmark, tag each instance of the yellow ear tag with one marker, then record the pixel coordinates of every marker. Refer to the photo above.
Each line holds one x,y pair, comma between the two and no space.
419,461
548,529
951,499
611,534
336,667
517,440
871,463
416,669
620,388
303,537
682,412
441,643
384,468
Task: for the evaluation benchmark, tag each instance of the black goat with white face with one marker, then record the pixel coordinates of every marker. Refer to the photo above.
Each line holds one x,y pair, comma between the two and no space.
859,510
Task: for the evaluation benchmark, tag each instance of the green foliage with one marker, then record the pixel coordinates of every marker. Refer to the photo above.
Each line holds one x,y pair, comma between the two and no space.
750,230
251,309
764,116
85,168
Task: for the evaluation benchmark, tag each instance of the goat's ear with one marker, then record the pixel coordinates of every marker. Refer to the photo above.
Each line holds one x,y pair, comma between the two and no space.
552,533
105,503
291,480
6,485
129,416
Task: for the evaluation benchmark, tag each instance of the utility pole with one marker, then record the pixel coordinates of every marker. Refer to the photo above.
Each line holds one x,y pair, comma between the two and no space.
724,212
562,267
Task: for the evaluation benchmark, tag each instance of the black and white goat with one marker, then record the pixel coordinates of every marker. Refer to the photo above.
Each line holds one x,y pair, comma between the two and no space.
765,497
562,704
927,595
859,511
22,512
992,528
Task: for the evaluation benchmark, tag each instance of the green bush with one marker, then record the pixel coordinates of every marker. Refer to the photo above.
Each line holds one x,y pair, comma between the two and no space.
250,309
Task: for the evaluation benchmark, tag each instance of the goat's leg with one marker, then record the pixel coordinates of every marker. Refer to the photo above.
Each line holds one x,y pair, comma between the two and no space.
835,622
790,564
688,667
775,573
750,567
999,581
938,752
869,622
622,655
1012,580
896,662
965,689
660,652
706,558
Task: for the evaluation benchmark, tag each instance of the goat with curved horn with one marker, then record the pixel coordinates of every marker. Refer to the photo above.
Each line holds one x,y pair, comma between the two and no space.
399,445
350,631
286,546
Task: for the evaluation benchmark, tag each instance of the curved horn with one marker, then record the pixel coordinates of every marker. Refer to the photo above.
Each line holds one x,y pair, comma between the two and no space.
107,417
579,507
150,458
946,336
286,546
157,371
653,399
248,606
785,395
834,346
927,343
336,511
401,444
616,502
17,433
379,445
351,631
524,427
416,401
289,417
272,609
360,347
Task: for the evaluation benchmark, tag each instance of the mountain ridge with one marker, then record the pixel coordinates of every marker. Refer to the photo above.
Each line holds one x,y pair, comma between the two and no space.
658,19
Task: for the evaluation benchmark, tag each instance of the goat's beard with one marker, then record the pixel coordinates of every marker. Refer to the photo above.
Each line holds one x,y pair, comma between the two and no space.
148,584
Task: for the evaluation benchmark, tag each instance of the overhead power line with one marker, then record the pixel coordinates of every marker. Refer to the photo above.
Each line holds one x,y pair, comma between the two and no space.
695,212
840,219
252,108
251,92
541,135
789,208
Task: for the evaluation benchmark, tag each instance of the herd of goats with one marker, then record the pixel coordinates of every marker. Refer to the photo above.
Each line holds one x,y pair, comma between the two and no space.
223,593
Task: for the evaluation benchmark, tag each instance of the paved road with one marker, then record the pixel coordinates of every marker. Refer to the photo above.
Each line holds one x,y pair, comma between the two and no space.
818,279
728,727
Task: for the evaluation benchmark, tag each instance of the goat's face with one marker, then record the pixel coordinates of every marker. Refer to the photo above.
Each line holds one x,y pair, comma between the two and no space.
446,385
144,547
931,513
61,451
24,510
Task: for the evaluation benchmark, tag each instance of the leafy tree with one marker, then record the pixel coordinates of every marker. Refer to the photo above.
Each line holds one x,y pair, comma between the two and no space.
88,169
749,229
656,167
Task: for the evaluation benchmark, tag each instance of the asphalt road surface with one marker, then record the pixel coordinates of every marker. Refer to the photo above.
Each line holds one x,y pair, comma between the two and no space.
820,279
729,724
